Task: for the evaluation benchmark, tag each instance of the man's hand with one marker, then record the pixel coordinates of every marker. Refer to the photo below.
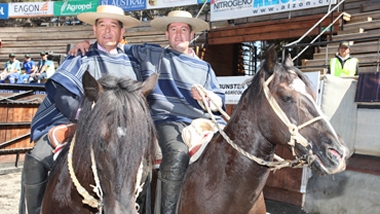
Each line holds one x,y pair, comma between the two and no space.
196,96
81,46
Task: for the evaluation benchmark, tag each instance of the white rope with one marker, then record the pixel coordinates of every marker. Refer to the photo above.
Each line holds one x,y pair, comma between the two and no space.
87,198
296,137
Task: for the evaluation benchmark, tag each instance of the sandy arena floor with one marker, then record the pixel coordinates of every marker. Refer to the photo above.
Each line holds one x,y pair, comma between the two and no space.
10,193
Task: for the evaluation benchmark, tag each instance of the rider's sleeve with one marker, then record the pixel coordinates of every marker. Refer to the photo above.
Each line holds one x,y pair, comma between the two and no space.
66,102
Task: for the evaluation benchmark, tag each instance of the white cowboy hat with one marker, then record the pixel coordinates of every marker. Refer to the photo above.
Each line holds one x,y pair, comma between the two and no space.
109,12
161,23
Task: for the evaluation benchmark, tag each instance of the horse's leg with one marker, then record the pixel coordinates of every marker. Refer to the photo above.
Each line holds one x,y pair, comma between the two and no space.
259,207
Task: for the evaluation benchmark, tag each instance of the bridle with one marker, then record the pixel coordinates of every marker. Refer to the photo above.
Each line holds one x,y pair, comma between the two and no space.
295,136
97,189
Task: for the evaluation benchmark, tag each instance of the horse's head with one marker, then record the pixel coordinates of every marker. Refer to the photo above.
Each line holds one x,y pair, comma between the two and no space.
115,123
294,118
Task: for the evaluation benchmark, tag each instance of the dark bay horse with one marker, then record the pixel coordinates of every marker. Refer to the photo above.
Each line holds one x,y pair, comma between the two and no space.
114,135
278,108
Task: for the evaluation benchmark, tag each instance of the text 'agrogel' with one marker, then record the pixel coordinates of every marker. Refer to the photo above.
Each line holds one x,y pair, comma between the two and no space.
27,8
225,4
77,7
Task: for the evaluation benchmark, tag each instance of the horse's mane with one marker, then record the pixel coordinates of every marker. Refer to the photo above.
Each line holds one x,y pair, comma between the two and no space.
118,125
260,77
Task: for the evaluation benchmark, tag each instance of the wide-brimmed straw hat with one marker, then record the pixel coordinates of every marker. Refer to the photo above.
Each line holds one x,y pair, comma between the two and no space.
109,12
161,23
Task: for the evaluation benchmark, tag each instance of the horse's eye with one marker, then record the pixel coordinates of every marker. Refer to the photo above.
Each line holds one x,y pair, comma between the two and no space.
287,98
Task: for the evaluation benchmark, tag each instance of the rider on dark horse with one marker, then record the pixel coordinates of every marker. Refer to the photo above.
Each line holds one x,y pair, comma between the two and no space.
64,91
174,102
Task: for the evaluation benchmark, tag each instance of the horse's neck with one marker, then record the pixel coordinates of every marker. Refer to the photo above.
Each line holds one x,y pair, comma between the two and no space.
243,131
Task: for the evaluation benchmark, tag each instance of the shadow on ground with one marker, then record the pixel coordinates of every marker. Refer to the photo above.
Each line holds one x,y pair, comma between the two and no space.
274,207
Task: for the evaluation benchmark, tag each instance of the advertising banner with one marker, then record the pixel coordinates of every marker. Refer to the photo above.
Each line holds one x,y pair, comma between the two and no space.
72,8
127,5
231,86
4,11
233,9
31,9
154,4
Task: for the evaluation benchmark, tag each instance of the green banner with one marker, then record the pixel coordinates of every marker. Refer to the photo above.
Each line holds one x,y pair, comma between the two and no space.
72,8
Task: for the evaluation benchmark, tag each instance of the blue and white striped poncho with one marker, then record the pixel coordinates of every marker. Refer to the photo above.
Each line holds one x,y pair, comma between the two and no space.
171,99
69,75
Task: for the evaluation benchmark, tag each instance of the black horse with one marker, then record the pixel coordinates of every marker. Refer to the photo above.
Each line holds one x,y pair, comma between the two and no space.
114,136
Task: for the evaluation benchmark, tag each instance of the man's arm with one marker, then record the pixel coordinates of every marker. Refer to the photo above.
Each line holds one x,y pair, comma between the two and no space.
66,102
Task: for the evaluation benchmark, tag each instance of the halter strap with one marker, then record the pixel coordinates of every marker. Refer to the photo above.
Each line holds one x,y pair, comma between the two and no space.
295,137
87,198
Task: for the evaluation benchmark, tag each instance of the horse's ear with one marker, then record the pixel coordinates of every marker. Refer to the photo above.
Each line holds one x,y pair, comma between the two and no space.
91,86
288,61
149,84
270,60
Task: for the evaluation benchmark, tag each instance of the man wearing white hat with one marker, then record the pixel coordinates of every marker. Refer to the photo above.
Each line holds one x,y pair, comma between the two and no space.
174,102
65,90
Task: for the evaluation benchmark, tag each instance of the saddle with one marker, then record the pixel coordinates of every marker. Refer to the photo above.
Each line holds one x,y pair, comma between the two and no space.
196,136
59,135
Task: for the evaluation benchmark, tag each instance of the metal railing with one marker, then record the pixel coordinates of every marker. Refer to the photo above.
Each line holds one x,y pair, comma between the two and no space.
370,38
313,27
314,43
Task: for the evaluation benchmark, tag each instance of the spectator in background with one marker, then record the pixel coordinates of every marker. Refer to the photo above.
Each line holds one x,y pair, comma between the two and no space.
343,65
28,67
12,69
45,68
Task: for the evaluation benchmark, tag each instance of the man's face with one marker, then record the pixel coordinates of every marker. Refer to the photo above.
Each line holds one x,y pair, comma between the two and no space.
108,33
12,58
44,57
179,36
27,59
344,51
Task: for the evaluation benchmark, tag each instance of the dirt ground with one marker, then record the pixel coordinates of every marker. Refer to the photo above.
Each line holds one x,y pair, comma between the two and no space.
10,193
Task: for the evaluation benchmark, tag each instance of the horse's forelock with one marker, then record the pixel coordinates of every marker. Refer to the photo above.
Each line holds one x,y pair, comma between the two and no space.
121,108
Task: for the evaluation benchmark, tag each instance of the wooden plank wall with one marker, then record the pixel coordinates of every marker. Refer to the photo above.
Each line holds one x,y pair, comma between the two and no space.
18,106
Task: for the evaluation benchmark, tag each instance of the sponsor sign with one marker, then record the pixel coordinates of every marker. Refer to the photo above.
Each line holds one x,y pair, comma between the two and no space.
232,87
233,9
71,8
203,1
127,5
154,4
31,9
4,11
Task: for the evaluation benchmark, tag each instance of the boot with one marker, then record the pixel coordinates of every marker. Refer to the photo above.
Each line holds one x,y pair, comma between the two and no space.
172,173
35,175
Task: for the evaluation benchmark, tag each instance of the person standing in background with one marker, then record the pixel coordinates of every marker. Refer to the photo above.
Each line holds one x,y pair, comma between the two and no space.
343,65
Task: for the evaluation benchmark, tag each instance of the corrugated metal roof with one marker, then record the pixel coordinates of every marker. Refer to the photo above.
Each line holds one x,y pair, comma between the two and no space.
22,93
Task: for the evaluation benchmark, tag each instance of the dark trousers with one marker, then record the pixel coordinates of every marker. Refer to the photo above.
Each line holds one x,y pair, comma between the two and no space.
175,160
